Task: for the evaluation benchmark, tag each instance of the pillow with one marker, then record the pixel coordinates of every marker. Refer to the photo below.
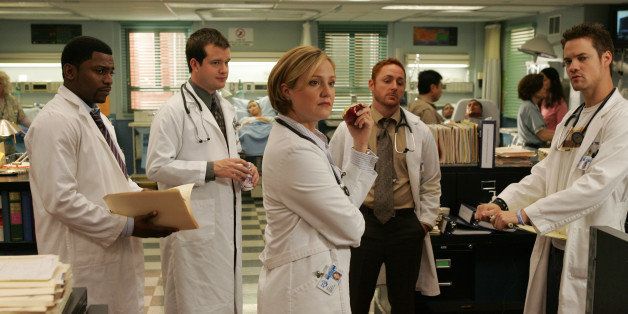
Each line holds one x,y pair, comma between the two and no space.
267,108
240,105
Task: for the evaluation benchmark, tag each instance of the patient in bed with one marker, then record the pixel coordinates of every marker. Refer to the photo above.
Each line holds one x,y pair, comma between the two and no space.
253,133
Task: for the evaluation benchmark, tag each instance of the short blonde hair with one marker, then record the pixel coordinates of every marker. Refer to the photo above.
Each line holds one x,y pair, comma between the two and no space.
299,61
6,84
251,103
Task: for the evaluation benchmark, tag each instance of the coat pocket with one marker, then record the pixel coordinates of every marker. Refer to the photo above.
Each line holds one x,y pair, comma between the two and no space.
303,294
205,213
577,251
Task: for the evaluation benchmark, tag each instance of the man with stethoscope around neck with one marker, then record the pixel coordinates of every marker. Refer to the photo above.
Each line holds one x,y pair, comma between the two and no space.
396,234
583,181
193,140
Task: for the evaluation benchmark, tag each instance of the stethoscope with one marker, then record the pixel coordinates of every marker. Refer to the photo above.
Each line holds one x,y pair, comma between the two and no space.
403,123
187,110
578,136
305,137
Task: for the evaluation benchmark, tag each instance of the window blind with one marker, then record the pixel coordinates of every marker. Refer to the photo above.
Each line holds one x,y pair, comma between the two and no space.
156,65
515,67
355,49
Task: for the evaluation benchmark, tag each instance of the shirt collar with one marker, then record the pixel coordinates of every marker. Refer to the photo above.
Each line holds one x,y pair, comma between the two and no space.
206,97
378,116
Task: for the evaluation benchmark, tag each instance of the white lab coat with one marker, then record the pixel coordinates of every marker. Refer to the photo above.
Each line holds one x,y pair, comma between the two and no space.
201,268
596,196
424,172
311,224
72,168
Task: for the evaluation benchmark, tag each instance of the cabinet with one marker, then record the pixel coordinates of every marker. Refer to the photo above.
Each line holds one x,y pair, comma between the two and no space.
480,273
471,184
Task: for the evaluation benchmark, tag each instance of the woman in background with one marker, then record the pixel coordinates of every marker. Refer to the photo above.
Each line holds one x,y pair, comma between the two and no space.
255,114
10,109
313,218
554,107
531,128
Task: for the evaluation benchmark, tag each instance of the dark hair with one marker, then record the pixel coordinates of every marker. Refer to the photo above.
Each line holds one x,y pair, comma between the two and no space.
530,85
195,46
475,101
379,65
426,79
555,89
599,36
80,49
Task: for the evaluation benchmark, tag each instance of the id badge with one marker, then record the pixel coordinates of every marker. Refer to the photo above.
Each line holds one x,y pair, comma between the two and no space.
584,163
330,279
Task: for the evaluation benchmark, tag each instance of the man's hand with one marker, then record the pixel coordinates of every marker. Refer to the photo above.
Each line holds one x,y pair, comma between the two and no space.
361,129
143,227
485,211
255,174
235,169
426,228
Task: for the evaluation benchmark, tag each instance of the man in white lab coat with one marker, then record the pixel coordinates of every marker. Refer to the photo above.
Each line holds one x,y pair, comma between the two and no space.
75,161
583,181
193,140
401,241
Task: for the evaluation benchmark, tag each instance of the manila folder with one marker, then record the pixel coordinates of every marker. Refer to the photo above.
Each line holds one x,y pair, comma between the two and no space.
172,206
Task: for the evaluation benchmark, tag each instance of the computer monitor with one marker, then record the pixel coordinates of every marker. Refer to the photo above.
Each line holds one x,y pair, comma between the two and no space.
608,271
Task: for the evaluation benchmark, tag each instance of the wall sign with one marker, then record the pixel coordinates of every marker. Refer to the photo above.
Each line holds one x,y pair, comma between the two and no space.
241,36
435,36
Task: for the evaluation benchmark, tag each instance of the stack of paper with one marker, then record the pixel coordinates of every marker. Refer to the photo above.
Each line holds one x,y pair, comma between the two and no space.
457,142
514,155
34,283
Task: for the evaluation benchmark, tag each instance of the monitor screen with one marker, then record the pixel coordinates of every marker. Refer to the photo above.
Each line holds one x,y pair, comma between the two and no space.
619,25
608,271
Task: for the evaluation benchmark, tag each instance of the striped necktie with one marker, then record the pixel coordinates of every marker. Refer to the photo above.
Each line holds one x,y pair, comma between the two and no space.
95,113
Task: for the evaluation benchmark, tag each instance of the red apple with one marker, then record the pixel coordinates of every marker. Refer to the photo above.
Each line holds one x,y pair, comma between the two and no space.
351,114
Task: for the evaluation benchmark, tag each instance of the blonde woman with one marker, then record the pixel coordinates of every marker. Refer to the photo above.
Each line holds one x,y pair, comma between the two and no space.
10,109
311,205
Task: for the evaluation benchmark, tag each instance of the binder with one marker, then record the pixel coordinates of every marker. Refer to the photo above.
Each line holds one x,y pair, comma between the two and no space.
27,216
15,210
6,219
487,144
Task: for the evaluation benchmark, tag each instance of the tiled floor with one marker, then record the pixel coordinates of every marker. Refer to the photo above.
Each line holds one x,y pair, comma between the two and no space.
253,223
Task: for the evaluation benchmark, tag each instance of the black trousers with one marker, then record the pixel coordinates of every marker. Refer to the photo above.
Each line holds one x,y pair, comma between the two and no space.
397,244
554,271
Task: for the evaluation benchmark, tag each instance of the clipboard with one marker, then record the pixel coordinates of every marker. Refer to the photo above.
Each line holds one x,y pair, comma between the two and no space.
172,206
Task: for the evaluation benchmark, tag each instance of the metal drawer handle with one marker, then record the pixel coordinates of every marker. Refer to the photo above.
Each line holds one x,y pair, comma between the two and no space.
445,284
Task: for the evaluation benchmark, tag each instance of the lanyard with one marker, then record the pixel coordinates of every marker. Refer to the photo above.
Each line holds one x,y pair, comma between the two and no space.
303,136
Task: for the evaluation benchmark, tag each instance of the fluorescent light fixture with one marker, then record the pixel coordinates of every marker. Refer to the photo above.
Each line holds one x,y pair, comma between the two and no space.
220,5
439,65
433,7
25,5
30,65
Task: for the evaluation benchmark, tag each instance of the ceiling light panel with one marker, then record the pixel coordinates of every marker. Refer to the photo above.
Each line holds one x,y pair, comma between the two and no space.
433,7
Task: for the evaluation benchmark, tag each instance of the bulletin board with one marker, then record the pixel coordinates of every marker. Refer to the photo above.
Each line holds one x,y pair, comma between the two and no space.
435,36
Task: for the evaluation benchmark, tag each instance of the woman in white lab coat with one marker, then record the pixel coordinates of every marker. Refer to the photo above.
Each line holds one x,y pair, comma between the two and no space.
313,218
200,269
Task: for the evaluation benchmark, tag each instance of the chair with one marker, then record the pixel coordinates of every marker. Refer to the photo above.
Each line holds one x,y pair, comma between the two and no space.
489,109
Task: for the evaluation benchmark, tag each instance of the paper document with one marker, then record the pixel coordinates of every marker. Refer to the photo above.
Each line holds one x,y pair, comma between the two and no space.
553,234
28,267
172,206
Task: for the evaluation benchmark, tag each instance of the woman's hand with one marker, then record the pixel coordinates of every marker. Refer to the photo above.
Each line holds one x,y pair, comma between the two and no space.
361,129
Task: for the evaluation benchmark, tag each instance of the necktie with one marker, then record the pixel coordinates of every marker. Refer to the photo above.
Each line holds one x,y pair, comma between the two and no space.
216,111
101,126
383,187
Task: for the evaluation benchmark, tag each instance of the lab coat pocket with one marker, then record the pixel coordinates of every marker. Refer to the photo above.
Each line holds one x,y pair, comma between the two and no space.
577,251
204,211
303,294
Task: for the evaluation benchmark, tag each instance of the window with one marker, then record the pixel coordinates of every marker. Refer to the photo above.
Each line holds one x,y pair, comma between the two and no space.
355,49
156,65
515,67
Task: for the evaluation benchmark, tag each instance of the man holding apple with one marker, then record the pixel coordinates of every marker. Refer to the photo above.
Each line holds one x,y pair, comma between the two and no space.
402,205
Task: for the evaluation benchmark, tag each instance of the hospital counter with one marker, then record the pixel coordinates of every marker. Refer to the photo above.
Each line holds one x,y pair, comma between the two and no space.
18,231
